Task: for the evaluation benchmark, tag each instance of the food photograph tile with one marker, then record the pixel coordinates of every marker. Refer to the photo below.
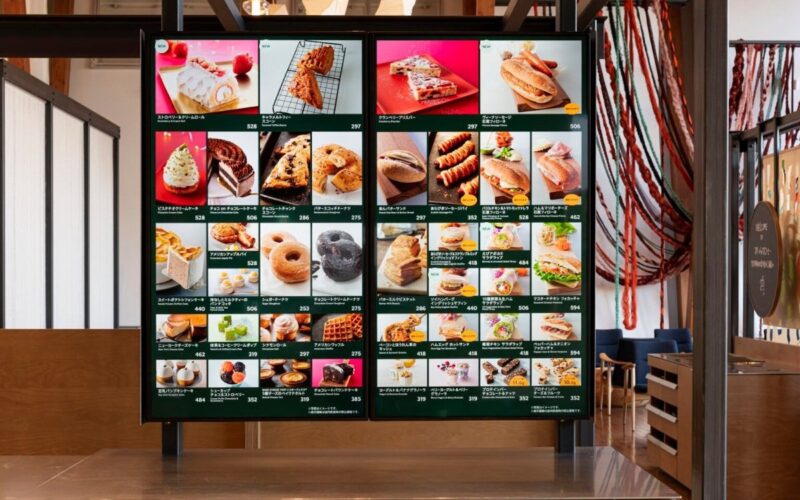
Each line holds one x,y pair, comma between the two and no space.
546,72
505,327
556,258
232,168
499,236
285,327
556,371
233,282
401,168
400,327
449,236
181,259
181,328
182,374
505,282
555,326
233,328
180,168
492,372
451,282
437,77
288,271
453,166
402,373
505,167
557,166
337,372
447,372
284,373
450,326
233,373
285,88
285,166
336,168
233,237
228,72
338,327
337,248
401,255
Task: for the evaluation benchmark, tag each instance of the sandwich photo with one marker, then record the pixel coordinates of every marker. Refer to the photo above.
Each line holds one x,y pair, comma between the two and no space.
504,167
524,76
452,236
453,165
452,281
505,236
401,168
561,272
556,156
555,326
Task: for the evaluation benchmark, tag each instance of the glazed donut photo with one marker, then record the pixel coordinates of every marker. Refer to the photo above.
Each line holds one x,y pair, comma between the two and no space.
286,265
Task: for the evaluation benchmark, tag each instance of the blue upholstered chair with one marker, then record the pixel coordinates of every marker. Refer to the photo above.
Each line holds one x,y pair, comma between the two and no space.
606,341
681,336
636,351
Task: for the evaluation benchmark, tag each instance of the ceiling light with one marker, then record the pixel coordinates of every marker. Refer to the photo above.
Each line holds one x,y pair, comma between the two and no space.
255,7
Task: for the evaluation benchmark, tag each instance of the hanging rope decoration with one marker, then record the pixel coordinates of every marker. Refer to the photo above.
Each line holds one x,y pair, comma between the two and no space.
636,50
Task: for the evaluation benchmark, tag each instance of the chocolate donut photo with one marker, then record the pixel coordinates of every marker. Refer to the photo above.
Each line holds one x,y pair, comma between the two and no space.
338,259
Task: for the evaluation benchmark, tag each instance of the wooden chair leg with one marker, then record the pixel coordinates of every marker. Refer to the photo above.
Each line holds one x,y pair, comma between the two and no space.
633,399
609,372
625,396
602,387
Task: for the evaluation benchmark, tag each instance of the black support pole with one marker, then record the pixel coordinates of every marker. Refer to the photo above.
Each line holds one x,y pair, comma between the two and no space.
567,16
172,15
711,253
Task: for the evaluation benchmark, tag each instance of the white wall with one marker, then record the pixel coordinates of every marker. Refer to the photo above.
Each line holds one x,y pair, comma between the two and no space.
114,93
763,20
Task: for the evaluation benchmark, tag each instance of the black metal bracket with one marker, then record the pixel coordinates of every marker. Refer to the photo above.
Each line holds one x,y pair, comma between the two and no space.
172,439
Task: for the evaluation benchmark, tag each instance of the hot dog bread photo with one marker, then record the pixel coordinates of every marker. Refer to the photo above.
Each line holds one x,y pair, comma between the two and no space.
528,82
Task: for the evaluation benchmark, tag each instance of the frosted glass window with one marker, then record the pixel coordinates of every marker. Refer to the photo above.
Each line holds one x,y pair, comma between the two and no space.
68,221
24,209
101,229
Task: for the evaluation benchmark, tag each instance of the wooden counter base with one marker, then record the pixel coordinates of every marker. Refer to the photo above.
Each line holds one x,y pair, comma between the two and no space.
341,473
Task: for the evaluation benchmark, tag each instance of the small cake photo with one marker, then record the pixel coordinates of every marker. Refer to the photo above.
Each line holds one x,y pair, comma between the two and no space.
338,260
180,259
183,328
233,373
402,373
339,373
285,327
233,237
336,168
285,255
233,282
206,76
233,328
183,374
232,165
180,169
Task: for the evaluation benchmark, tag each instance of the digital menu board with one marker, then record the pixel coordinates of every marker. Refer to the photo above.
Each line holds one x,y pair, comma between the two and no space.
254,227
482,228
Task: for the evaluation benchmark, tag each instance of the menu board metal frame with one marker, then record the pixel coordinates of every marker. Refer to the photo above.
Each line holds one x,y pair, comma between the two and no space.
148,74
588,42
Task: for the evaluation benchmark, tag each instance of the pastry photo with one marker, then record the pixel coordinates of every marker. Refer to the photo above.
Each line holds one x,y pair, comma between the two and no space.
556,258
556,326
233,328
530,76
180,168
284,373
451,326
285,168
401,168
505,282
233,373
337,259
402,327
453,372
183,328
311,77
347,327
505,167
452,282
427,76
337,373
232,237
181,259
206,76
505,236
232,165
285,327
556,371
402,373
557,160
452,236
336,168
285,259
452,167
505,327
181,374
505,372
403,259
233,282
